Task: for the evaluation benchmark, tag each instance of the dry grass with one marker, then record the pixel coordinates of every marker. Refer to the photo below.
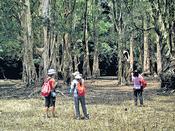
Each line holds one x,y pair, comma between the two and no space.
109,112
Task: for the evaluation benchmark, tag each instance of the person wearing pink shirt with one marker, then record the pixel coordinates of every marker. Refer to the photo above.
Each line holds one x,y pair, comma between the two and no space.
136,78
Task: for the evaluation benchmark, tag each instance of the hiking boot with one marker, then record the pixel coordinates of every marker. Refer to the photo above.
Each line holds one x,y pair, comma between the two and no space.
86,118
77,118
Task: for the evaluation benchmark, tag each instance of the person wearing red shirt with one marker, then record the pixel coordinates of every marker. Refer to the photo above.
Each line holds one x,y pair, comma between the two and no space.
51,98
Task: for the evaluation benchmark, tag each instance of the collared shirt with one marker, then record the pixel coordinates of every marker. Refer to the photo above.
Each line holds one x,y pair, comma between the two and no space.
136,80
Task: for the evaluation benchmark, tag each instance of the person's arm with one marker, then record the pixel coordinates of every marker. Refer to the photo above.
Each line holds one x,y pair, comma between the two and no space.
73,84
55,84
141,77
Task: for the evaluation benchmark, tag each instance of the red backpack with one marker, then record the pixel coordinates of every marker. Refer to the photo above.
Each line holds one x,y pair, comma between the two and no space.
143,83
81,89
46,89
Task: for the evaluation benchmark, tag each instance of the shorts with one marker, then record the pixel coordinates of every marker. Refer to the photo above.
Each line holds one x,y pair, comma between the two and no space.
50,101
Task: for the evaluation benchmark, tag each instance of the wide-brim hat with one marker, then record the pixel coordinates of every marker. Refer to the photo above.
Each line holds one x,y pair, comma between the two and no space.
78,76
75,73
51,72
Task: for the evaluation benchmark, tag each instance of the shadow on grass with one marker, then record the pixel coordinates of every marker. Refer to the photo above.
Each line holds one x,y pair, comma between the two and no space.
13,92
115,96
98,95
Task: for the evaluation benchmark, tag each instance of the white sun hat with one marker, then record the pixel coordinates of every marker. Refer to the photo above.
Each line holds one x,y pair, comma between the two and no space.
51,72
75,73
78,76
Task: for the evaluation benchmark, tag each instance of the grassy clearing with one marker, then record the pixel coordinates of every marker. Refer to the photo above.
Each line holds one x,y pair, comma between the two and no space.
111,113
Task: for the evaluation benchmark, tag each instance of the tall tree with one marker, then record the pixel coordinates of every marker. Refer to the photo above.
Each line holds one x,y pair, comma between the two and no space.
95,68
146,62
131,59
118,27
46,19
86,67
29,73
69,7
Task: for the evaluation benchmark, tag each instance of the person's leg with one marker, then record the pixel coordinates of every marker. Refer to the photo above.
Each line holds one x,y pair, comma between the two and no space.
76,104
53,111
135,97
47,103
53,100
83,105
140,97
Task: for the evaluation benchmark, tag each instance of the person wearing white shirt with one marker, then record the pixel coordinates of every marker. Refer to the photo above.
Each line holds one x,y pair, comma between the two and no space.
78,98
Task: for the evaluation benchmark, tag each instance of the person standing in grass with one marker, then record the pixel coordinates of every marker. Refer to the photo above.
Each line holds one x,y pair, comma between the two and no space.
136,78
78,89
50,97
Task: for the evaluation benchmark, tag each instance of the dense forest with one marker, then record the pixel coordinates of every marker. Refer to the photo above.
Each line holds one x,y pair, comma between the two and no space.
96,37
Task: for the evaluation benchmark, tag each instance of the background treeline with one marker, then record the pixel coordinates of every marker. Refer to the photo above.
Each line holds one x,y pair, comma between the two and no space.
96,37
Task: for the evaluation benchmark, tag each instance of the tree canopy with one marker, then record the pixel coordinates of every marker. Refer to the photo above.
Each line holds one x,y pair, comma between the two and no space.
91,36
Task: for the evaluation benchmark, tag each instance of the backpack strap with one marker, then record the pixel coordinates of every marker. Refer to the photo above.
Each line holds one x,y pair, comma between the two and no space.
48,79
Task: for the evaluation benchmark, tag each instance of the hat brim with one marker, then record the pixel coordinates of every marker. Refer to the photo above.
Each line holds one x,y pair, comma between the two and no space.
75,73
51,73
78,77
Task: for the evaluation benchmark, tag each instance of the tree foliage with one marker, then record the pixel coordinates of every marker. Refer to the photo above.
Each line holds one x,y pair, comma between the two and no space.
110,26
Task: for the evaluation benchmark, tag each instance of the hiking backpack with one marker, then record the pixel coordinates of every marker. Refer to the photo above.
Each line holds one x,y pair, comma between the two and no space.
46,89
81,89
143,83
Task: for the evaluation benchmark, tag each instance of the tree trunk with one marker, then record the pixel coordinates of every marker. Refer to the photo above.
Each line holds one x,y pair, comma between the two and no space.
29,73
45,14
86,67
53,50
118,28
95,68
76,63
146,61
159,55
173,35
59,55
120,57
131,60
67,59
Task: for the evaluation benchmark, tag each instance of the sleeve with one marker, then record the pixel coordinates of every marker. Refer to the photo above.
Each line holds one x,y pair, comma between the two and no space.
132,78
72,86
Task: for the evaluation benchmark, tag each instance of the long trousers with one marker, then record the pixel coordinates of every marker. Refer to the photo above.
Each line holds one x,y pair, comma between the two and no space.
77,100
138,94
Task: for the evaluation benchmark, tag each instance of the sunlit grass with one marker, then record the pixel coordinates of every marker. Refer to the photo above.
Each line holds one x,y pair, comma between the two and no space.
27,115
110,109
